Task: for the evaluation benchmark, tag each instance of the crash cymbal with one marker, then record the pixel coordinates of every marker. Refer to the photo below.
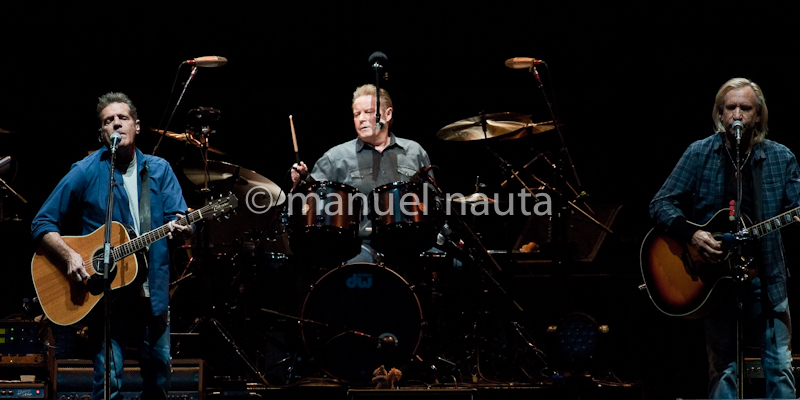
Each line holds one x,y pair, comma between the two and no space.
239,180
533,129
258,199
183,137
496,125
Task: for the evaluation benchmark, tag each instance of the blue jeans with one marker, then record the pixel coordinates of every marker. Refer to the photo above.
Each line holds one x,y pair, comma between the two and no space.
772,328
132,323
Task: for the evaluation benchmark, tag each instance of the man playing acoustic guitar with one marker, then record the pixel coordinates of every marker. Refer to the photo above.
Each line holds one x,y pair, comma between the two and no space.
705,181
146,195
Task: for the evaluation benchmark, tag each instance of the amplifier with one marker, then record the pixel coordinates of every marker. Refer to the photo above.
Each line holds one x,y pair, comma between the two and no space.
74,379
753,369
20,390
416,394
19,338
172,395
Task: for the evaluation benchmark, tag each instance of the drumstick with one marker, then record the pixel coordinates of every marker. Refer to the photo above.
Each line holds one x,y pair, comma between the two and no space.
294,140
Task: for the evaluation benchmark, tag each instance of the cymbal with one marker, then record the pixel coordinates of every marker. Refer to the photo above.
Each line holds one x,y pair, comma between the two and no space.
238,180
258,198
474,198
497,125
533,129
183,137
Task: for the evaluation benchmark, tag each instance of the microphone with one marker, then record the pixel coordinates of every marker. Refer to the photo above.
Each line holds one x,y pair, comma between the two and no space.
421,175
522,62
737,129
380,124
115,138
730,239
207,61
378,59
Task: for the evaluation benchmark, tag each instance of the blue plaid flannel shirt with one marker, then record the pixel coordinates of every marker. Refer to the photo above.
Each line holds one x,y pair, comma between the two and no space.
696,186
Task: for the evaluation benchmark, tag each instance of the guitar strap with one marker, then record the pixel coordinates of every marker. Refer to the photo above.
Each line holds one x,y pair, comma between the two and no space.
758,188
144,201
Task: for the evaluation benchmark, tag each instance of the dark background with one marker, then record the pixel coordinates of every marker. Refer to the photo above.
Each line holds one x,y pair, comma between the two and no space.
633,84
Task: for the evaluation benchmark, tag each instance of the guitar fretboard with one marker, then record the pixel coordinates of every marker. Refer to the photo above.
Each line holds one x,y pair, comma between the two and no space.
774,224
140,242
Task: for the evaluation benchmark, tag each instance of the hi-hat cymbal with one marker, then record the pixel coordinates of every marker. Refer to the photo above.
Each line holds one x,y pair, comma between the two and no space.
184,137
496,125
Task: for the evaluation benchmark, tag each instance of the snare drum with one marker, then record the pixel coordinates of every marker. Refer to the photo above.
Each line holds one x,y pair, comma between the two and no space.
358,317
406,218
323,221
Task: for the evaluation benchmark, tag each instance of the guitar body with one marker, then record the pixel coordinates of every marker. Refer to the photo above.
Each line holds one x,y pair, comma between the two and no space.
66,301
679,282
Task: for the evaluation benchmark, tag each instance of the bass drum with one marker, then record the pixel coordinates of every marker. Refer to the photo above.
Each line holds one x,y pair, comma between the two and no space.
358,317
324,219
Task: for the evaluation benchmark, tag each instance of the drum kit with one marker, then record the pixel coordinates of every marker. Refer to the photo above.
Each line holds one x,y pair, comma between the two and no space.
355,317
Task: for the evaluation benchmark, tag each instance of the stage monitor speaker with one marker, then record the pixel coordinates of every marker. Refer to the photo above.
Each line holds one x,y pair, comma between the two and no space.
74,379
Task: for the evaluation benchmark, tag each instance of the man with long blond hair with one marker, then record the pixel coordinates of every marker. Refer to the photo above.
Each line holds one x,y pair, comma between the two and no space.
708,178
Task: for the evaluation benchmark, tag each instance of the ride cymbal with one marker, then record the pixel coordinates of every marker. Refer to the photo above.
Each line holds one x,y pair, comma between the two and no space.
485,126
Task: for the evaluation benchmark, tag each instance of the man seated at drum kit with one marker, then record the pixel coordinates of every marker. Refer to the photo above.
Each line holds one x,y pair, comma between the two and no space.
381,167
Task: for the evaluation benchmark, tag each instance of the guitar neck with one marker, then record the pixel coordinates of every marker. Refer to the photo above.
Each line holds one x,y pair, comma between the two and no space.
155,235
773,224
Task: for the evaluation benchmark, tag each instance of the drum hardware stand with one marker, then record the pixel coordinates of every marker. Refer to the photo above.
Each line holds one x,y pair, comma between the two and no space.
3,185
476,242
227,337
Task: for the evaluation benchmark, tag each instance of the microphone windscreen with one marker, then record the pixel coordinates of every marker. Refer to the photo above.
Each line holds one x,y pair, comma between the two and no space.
728,239
378,57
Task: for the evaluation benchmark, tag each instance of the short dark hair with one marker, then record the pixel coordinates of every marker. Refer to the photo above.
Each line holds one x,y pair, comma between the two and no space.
114,97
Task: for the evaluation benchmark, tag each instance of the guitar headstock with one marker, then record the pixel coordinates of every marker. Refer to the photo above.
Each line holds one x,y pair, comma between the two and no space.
220,207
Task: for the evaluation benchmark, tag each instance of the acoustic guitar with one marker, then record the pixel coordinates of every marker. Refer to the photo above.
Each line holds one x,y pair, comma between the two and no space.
65,301
681,283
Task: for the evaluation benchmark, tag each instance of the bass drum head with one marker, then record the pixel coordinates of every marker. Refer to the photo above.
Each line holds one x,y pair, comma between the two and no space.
373,318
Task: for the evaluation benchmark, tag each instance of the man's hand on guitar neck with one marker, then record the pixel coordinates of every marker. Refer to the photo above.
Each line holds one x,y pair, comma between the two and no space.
708,247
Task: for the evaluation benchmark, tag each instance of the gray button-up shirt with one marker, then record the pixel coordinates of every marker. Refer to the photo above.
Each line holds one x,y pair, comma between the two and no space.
359,165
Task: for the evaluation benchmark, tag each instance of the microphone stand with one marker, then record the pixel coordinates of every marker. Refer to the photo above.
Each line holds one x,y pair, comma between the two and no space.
106,266
739,304
377,66
164,131
555,123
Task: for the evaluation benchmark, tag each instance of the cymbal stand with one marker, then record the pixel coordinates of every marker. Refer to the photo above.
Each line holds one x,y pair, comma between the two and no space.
227,337
516,175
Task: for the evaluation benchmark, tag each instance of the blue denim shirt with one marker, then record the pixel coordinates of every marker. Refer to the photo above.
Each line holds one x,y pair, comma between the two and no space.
695,190
77,206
